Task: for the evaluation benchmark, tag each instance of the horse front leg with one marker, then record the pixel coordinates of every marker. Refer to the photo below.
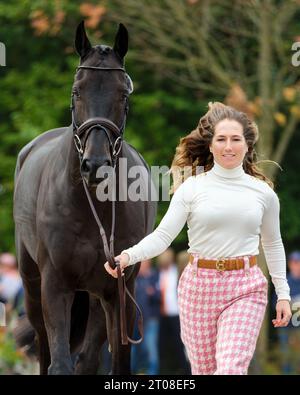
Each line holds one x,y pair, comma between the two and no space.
121,354
35,316
32,298
95,335
57,301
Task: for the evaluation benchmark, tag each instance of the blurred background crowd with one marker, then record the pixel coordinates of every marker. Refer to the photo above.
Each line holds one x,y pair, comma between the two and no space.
182,54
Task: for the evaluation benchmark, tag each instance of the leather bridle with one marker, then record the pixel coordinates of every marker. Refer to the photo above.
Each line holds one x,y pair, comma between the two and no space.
101,123
82,132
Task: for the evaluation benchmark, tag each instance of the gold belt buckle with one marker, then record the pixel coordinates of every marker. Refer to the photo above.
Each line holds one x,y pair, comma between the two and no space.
220,265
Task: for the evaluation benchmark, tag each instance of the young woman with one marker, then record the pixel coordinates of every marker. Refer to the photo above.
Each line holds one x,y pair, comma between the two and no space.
222,293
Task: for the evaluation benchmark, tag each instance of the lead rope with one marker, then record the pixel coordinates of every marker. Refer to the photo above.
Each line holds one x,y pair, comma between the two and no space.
109,253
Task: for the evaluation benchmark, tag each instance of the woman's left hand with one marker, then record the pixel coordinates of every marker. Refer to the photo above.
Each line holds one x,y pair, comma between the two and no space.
283,314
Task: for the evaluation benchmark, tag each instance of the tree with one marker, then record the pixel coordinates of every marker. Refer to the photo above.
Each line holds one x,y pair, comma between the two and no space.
240,49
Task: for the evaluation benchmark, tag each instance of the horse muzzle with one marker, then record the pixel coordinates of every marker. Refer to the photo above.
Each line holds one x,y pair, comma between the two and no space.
89,170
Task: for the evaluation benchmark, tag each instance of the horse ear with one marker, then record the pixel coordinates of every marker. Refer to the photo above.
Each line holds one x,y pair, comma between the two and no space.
121,41
82,43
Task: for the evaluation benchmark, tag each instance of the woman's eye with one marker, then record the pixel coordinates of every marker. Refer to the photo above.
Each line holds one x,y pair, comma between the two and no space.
233,140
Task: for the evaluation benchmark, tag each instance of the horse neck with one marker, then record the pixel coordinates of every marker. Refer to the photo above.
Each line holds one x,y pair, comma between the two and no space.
72,163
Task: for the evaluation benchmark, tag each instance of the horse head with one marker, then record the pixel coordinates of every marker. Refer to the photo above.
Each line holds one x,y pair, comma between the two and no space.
99,101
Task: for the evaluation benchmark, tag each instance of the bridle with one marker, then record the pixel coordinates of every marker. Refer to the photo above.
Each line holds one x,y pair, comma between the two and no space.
100,123
105,125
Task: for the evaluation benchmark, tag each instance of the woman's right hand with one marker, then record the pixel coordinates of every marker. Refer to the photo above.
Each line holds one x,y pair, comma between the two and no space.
124,262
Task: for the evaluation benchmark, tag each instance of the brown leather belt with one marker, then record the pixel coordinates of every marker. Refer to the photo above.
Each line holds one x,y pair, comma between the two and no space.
224,263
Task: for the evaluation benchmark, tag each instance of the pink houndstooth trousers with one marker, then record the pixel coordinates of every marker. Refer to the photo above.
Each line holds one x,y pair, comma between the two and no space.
220,317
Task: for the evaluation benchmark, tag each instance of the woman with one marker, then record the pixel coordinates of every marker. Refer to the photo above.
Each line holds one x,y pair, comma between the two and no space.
222,293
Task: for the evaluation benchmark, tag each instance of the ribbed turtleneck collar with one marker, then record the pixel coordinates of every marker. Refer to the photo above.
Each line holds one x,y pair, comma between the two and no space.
228,173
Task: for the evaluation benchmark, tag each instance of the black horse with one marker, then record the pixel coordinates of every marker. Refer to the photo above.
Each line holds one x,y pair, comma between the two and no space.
71,301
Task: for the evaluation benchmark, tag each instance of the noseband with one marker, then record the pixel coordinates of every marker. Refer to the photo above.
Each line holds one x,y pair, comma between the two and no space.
83,131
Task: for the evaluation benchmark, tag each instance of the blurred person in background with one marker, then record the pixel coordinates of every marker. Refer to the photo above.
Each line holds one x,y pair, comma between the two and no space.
145,356
10,279
289,337
12,295
170,343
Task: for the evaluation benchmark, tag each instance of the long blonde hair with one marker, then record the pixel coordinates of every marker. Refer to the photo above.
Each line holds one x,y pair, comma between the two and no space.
193,149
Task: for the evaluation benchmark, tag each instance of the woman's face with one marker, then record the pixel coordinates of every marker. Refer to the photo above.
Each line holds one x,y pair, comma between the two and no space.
228,145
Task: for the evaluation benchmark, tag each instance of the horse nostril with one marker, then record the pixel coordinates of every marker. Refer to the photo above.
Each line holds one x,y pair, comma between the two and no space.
86,165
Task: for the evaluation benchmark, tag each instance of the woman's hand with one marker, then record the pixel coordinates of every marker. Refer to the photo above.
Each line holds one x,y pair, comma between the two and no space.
124,261
283,315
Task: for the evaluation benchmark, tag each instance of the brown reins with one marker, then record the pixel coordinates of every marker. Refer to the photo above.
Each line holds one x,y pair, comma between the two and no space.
82,132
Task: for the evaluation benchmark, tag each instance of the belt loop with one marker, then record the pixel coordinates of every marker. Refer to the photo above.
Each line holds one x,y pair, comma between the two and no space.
246,264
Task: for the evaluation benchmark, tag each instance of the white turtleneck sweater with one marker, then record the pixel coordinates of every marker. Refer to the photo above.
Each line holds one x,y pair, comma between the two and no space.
226,211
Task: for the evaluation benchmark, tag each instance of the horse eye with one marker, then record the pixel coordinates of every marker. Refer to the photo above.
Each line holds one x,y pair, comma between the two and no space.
76,92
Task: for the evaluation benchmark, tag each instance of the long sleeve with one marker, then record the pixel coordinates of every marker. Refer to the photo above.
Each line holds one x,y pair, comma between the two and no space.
273,247
170,226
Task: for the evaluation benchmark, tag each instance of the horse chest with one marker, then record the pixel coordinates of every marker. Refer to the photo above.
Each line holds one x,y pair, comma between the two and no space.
84,250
